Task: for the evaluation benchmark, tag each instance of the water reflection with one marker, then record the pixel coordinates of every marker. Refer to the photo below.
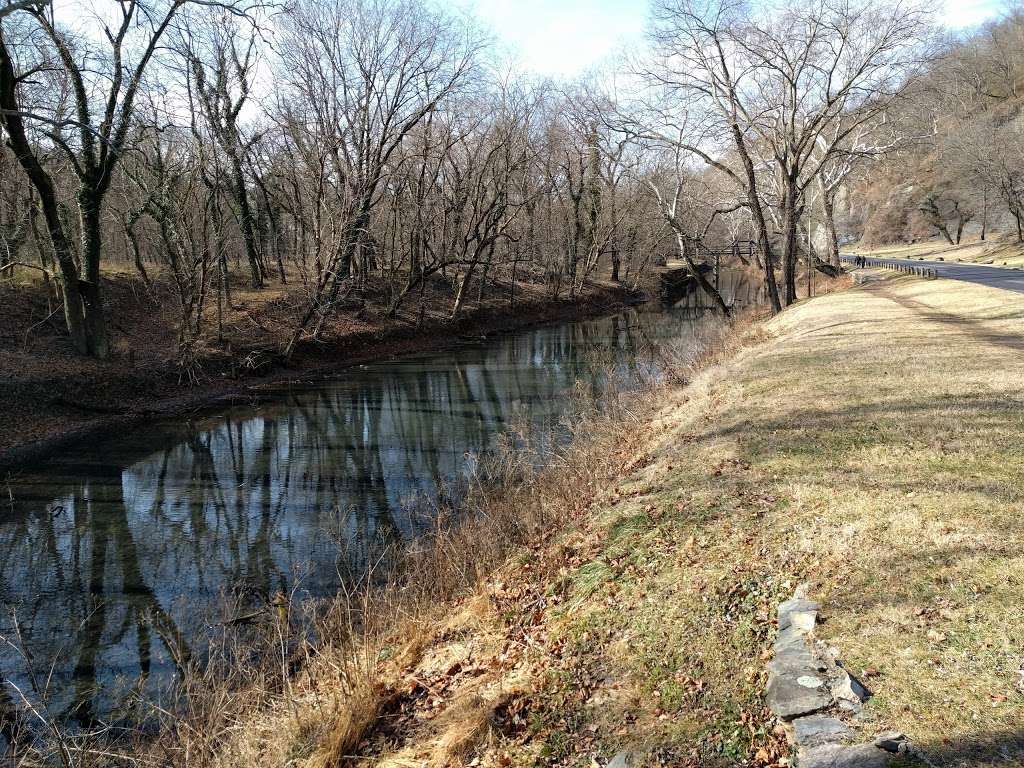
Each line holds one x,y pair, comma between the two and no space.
110,552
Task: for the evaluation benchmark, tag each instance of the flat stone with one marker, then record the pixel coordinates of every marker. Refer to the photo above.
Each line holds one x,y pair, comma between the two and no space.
892,741
798,612
796,661
623,759
843,756
815,730
788,699
790,638
810,681
848,692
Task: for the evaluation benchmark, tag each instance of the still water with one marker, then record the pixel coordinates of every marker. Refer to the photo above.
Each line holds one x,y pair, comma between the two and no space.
116,549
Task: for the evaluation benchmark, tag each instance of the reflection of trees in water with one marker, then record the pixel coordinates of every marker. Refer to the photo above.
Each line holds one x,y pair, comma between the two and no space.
736,288
75,578
255,498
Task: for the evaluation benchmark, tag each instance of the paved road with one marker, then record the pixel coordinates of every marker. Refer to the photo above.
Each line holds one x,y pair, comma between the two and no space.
995,277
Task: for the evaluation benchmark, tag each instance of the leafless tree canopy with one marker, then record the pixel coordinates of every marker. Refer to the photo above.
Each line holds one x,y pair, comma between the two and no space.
341,148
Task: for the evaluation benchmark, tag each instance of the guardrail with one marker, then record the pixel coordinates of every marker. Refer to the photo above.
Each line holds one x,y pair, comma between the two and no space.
928,273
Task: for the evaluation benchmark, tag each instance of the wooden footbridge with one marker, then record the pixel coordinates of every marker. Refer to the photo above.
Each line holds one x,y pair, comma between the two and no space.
677,280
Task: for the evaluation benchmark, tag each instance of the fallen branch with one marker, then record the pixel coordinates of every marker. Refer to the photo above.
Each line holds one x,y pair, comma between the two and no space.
12,264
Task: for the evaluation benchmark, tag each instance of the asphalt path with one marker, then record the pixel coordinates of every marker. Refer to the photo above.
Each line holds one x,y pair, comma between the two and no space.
1006,278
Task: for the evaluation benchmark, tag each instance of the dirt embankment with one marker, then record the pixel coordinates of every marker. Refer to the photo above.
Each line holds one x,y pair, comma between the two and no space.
50,397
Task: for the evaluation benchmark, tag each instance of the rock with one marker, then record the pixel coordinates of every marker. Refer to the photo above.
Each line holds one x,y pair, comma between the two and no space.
623,759
798,612
789,699
892,741
848,692
790,639
842,756
815,730
794,663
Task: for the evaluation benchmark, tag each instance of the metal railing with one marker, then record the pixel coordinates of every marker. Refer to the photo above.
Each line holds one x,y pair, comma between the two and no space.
905,268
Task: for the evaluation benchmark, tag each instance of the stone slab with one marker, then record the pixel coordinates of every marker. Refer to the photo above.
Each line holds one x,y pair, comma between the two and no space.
796,661
848,692
798,612
789,699
843,756
815,730
790,638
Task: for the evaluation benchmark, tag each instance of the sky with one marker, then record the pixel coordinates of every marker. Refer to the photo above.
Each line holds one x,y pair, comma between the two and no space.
564,38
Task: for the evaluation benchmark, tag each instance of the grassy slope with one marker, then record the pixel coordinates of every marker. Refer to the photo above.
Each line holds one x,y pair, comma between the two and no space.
869,446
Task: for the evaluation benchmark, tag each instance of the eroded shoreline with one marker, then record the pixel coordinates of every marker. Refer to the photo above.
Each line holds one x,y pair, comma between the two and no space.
312,361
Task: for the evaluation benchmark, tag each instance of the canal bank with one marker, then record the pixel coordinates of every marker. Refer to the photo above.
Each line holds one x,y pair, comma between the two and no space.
860,446
54,401
126,551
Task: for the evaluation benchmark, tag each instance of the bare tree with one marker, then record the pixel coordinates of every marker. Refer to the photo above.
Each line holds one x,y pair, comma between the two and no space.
103,86
220,69
788,87
362,75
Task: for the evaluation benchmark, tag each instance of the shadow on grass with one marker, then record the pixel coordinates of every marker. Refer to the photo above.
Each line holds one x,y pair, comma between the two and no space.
834,432
973,327
985,749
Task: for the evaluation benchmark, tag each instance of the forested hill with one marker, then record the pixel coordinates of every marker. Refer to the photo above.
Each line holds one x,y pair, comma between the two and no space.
961,174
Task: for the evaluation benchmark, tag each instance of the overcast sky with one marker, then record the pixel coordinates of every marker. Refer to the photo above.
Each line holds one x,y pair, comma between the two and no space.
563,38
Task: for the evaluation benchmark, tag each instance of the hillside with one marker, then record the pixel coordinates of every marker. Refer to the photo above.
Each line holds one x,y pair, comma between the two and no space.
957,170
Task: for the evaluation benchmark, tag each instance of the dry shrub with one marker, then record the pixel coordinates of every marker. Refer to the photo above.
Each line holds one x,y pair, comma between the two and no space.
357,713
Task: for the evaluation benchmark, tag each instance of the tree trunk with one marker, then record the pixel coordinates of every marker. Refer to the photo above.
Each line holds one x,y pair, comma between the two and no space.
757,213
97,342
342,269
245,222
460,297
829,204
790,221
984,213
17,139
